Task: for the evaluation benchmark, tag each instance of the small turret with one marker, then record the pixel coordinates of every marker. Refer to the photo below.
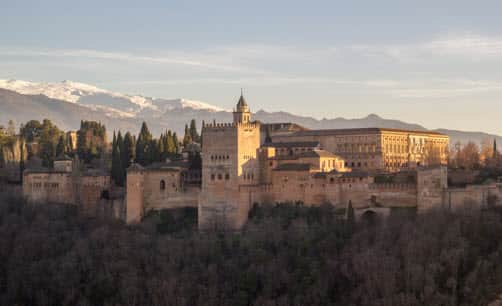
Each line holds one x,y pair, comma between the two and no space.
241,112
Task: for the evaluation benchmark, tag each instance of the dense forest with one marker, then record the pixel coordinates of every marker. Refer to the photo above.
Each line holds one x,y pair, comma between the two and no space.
286,255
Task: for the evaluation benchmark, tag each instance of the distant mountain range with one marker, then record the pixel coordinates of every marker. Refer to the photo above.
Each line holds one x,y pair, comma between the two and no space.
68,102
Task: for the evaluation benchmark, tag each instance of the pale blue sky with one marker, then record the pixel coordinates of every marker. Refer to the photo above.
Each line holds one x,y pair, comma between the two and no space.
437,64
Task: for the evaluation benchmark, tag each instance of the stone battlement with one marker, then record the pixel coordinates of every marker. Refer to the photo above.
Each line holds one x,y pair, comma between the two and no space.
210,126
392,186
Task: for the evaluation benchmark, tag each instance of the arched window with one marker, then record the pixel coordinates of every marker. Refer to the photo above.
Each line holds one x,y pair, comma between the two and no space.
227,176
105,194
219,176
162,185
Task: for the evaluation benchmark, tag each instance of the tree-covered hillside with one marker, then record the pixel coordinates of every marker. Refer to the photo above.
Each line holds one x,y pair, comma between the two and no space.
286,255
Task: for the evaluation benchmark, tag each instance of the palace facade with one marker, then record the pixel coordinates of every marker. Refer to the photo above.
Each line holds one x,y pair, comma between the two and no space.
378,148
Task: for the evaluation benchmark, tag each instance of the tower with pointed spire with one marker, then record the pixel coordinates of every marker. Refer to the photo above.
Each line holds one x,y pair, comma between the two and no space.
241,112
229,166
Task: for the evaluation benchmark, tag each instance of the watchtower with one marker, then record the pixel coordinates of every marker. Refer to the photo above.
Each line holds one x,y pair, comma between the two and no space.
229,162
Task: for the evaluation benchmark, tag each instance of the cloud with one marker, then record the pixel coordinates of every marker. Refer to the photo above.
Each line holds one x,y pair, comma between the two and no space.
434,88
269,81
345,66
176,58
445,88
466,46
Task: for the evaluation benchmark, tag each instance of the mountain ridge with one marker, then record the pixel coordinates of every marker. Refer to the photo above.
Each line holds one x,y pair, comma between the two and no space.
126,112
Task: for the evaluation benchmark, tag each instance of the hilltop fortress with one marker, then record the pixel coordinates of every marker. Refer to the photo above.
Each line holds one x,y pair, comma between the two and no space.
242,165
245,162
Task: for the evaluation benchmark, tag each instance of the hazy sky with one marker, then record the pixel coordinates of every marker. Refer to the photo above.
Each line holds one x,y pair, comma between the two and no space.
437,63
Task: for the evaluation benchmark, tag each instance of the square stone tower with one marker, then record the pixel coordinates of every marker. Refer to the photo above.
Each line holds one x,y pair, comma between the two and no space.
229,163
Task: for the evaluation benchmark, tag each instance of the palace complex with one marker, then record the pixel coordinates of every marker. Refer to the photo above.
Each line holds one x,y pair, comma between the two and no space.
245,162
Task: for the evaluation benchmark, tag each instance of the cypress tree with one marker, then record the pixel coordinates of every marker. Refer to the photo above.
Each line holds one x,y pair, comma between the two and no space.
167,145
143,146
121,149
193,131
187,138
176,143
128,152
117,170
171,146
120,142
60,148
154,151
162,154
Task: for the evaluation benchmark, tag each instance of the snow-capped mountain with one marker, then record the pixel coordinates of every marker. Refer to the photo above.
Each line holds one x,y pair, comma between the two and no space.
111,103
67,103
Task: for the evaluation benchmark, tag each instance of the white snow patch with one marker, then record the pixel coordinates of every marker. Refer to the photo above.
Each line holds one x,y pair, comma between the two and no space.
72,92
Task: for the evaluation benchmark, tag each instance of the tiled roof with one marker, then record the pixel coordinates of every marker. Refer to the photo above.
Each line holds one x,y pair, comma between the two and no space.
168,165
294,167
354,174
316,153
293,144
360,131
281,126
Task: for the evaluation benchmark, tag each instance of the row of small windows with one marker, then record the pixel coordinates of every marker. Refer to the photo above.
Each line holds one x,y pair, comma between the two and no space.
355,138
357,156
403,149
292,151
46,185
163,185
220,157
219,176
396,148
332,181
358,164
248,176
331,164
356,148
398,165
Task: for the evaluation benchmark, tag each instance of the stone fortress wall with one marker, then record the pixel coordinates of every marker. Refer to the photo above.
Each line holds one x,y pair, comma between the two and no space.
66,184
161,186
